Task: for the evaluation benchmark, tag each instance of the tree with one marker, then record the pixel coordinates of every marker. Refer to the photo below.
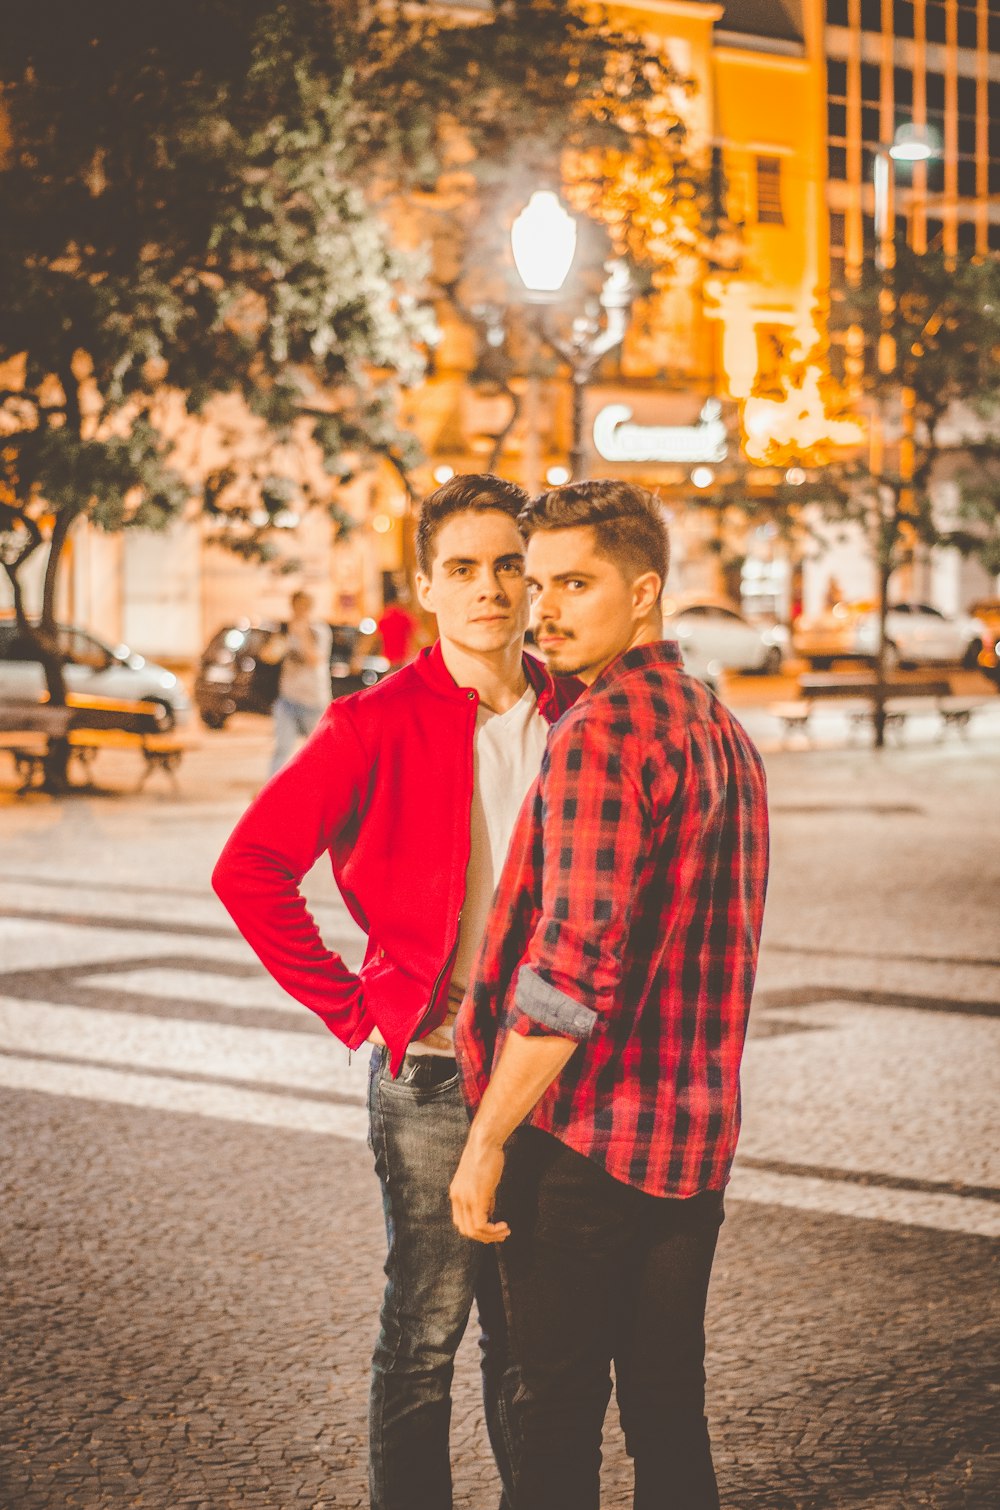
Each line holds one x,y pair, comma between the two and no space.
922,339
200,205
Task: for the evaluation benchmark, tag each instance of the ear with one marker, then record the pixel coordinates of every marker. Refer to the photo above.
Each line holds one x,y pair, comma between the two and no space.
646,592
423,591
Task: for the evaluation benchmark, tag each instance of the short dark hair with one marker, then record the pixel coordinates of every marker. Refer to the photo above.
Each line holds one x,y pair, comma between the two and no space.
471,492
628,522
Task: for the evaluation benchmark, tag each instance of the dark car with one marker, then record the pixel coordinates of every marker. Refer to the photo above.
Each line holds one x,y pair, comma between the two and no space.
233,677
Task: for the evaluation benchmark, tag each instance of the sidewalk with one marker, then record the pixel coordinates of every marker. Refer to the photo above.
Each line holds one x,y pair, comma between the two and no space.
193,1238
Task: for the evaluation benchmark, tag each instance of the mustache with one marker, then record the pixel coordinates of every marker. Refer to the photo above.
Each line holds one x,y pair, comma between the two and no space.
553,629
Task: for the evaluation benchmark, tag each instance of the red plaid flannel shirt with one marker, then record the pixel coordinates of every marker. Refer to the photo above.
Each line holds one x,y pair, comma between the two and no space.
628,916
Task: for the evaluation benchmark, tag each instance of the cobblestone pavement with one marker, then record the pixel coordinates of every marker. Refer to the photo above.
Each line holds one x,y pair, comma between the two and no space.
192,1239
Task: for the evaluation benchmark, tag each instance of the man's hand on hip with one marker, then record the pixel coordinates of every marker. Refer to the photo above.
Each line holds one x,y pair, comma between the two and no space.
473,1191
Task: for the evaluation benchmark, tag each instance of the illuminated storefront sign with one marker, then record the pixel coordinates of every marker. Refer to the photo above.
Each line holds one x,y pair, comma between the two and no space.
617,439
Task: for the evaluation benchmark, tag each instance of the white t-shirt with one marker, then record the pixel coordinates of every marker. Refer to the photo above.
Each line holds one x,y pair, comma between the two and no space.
508,753
299,682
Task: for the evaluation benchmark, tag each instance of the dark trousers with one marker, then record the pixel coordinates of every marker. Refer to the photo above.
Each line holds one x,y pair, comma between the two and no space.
596,1272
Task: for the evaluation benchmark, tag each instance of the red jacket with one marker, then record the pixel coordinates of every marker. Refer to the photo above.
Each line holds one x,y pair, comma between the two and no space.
384,784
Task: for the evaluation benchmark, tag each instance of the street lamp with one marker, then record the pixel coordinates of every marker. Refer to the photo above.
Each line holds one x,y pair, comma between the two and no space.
911,144
543,243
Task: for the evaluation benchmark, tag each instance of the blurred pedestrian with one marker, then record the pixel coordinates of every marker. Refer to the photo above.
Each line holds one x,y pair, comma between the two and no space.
414,786
600,1040
398,628
303,650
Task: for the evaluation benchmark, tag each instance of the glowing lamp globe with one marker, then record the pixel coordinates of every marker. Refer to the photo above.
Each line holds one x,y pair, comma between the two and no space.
543,241
912,144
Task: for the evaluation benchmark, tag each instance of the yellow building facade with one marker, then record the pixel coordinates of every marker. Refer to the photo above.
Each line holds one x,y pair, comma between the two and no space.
722,328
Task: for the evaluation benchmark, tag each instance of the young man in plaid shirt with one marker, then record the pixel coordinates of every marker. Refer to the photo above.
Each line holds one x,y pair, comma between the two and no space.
606,1017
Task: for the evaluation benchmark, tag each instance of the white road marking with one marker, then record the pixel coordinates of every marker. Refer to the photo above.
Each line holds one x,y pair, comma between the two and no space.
298,1060
874,1203
228,1103
906,1093
254,992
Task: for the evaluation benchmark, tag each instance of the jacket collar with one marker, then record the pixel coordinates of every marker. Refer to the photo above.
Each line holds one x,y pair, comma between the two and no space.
552,699
658,653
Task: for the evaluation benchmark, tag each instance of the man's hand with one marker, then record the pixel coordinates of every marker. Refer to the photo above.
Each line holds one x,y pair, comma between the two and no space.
474,1189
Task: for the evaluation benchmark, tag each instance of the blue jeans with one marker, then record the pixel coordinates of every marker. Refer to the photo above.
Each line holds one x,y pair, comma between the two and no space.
292,721
417,1133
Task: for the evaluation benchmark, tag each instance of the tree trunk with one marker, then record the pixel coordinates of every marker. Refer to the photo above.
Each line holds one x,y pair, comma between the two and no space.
880,689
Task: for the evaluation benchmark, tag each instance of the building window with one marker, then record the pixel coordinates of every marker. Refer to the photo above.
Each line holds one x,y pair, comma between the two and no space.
935,22
836,78
871,83
769,191
935,235
967,235
902,86
870,129
967,179
935,91
836,120
902,19
837,162
968,29
836,13
993,236
966,95
838,229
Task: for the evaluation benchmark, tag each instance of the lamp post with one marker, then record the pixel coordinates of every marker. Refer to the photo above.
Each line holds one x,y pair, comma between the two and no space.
911,144
543,242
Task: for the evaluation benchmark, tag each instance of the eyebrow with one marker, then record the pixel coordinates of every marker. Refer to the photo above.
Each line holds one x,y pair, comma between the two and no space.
565,576
476,560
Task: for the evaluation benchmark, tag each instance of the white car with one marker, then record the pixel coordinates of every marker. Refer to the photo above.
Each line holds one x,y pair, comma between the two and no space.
91,667
714,638
916,635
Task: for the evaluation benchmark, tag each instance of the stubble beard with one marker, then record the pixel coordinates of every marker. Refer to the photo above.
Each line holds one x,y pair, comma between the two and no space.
560,662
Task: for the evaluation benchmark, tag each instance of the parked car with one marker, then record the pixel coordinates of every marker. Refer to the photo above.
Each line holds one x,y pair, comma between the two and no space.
90,666
916,635
714,635
233,677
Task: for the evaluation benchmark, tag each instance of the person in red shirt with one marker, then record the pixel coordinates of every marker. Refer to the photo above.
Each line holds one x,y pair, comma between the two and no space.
398,629
412,787
600,1040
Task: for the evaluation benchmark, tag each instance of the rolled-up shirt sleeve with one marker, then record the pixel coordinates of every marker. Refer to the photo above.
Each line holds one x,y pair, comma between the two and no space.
597,834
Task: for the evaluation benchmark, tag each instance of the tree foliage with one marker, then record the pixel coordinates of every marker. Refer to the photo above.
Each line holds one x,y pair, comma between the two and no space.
928,369
200,207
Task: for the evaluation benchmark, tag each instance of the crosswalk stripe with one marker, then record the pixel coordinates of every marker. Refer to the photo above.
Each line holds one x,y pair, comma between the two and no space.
199,1098
300,1061
946,1213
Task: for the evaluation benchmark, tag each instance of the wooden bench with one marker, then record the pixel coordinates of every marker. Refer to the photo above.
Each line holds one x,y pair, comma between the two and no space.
88,724
858,696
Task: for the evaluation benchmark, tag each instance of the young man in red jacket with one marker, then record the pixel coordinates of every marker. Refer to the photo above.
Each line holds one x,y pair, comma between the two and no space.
608,1014
413,787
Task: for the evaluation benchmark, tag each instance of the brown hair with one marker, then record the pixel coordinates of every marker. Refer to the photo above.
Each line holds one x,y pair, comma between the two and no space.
628,522
473,492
